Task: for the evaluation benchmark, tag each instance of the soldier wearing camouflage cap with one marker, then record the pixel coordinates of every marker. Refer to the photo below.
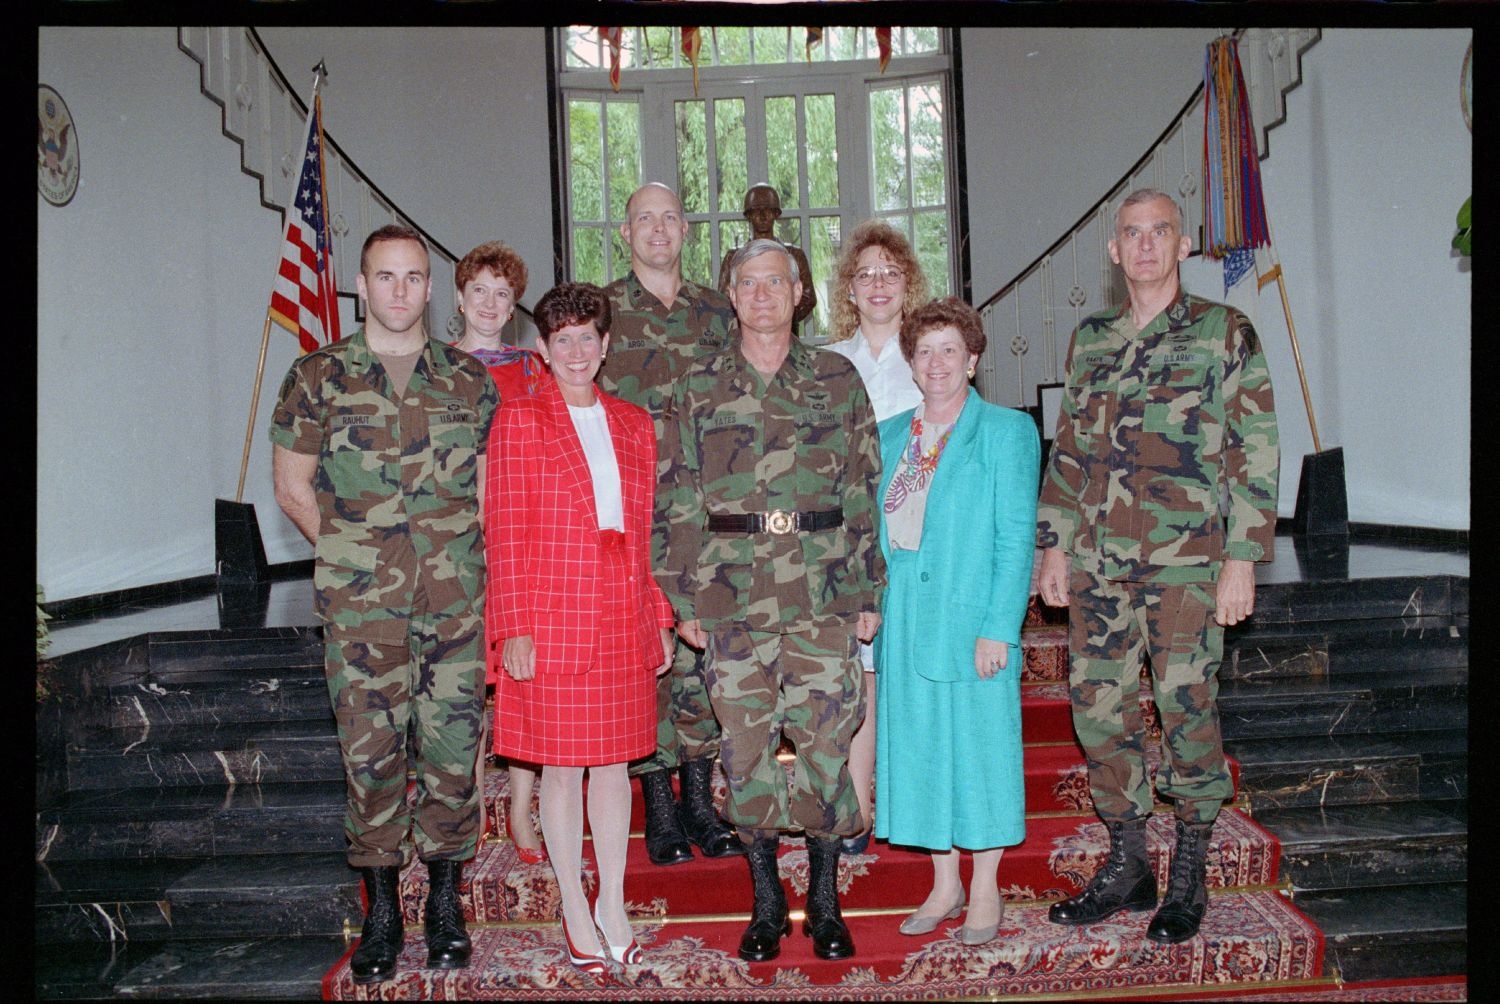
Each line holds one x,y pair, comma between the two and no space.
379,461
1159,497
662,324
772,564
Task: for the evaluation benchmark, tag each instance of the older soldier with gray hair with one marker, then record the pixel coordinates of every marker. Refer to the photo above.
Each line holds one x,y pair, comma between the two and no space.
772,564
1159,497
379,461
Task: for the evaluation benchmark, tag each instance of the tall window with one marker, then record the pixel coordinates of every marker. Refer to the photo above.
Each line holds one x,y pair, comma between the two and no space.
837,139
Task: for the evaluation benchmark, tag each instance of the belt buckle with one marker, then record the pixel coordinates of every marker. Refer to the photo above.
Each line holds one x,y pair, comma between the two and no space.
780,521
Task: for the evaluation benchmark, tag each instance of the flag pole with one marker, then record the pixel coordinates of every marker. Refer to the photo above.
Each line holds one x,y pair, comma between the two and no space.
1274,274
320,73
260,372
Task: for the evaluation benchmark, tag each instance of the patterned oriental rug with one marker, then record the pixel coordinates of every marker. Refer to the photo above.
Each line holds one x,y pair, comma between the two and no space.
688,918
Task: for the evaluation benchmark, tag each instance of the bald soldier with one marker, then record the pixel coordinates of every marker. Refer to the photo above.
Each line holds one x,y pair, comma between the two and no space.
379,461
663,324
1159,497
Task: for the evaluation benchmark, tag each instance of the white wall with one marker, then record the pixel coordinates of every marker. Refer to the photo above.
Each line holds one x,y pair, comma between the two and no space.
451,122
152,287
1362,187
153,282
1054,117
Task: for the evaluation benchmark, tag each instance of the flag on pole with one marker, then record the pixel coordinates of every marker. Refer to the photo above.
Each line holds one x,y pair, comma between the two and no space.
1234,208
814,36
692,42
613,37
883,44
304,297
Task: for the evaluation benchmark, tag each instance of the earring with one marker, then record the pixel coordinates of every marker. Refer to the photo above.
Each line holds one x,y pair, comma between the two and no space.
851,297
971,372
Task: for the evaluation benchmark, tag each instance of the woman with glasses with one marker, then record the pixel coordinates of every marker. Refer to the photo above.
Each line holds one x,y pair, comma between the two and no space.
879,284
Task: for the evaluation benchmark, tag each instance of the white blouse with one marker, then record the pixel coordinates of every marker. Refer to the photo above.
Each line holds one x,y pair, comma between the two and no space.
887,378
604,470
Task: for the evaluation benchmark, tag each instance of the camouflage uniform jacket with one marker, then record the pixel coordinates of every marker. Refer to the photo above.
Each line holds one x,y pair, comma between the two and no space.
804,439
1166,456
395,483
651,346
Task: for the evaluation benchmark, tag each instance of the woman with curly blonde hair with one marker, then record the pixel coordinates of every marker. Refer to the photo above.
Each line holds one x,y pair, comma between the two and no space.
879,283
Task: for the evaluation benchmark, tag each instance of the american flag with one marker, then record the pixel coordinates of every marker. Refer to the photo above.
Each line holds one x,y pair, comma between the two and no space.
304,298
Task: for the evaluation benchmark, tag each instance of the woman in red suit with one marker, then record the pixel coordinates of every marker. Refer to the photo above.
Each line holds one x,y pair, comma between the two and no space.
579,623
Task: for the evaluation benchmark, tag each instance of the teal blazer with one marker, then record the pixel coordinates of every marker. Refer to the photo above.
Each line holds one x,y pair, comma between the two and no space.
978,539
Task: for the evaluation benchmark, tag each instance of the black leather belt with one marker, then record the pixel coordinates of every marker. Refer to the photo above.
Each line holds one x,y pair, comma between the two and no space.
776,521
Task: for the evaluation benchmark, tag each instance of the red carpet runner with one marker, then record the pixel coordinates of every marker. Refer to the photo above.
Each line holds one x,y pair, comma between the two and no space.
688,917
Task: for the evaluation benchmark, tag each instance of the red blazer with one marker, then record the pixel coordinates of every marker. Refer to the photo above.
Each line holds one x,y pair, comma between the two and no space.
541,531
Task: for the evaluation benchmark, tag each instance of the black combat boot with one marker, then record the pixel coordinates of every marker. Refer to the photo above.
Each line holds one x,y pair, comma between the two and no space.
1182,910
666,844
448,943
1126,882
380,939
696,812
769,919
825,923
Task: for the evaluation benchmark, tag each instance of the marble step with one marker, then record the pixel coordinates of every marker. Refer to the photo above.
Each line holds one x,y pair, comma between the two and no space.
266,967
1361,598
292,894
1393,933
1359,846
1283,772
200,820
181,656
1404,645
232,753
284,693
1344,705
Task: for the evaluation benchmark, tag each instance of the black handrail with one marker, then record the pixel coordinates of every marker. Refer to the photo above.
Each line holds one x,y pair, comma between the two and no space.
1114,190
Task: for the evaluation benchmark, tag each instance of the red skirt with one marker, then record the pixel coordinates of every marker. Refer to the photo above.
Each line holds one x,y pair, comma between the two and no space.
606,715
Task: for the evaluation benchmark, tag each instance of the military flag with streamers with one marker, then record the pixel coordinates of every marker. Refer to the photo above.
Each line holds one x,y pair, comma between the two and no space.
1235,227
1234,209
304,296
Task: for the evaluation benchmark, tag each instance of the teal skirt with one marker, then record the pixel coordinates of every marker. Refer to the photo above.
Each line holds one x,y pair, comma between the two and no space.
948,769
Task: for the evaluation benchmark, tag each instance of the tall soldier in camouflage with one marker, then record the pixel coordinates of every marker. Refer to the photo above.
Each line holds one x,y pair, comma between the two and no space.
771,563
379,461
662,324
1159,497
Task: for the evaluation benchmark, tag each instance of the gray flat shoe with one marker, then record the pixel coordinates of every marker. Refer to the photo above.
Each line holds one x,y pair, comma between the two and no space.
916,923
981,935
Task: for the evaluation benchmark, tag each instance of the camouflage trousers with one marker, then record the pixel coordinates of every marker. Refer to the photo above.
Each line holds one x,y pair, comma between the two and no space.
686,728
807,686
1110,625
434,679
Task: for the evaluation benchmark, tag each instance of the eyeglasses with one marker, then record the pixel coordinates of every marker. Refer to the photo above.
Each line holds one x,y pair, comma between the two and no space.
889,274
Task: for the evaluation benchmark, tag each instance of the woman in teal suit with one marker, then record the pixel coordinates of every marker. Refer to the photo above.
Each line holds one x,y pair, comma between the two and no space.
958,508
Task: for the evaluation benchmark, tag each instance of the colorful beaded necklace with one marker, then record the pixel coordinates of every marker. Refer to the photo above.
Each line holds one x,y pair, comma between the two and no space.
917,466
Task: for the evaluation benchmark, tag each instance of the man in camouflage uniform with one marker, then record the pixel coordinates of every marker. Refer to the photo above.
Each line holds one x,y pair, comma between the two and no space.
662,324
1160,495
379,461
771,564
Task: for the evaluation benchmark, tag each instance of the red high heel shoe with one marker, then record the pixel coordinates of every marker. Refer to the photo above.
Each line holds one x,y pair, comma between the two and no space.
625,955
526,854
593,964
